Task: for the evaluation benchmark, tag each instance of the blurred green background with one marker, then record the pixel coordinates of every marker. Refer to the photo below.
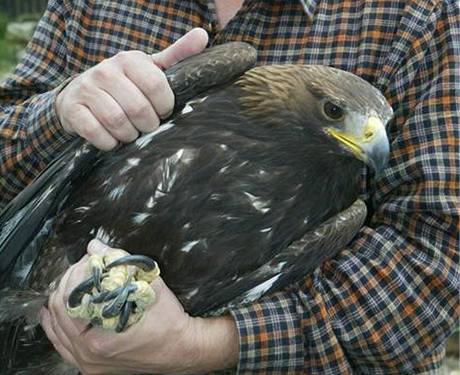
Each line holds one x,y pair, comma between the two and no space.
8,49
18,19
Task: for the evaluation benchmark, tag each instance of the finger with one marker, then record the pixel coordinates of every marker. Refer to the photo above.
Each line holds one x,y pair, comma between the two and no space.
57,301
74,276
96,247
88,127
111,113
59,334
45,320
152,82
133,101
68,330
190,44
66,326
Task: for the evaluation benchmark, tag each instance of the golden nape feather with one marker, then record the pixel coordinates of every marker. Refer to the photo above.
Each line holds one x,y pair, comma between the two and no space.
293,88
281,81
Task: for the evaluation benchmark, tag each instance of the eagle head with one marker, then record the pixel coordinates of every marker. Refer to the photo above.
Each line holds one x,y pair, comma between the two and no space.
332,103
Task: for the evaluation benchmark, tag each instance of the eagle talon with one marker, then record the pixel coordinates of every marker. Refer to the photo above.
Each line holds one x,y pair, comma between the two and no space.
97,276
115,307
106,295
124,316
97,265
118,291
145,263
76,296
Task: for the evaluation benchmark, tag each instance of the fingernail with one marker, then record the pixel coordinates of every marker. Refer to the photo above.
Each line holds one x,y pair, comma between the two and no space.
97,247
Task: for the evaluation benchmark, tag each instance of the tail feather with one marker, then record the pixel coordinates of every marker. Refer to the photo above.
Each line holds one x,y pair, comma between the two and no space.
49,364
29,353
21,304
27,220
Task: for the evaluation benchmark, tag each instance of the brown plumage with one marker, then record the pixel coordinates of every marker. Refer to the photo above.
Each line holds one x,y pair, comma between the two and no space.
217,194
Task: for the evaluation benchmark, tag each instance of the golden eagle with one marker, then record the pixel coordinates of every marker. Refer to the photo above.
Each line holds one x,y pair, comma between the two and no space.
251,184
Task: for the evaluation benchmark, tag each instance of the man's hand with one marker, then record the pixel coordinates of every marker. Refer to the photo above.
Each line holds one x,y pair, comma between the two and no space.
165,340
124,95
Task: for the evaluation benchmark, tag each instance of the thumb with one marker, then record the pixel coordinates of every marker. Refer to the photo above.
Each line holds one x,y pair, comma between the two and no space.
96,247
190,44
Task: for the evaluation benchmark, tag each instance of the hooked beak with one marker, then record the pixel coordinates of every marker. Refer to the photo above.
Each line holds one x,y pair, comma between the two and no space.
368,142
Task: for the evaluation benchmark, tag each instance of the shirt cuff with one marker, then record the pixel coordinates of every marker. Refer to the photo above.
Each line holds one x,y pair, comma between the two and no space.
46,136
270,336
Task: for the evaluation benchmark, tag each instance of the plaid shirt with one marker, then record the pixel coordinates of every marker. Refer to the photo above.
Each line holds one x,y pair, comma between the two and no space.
387,303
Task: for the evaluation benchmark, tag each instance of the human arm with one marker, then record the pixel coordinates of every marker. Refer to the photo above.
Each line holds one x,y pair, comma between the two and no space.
30,133
53,95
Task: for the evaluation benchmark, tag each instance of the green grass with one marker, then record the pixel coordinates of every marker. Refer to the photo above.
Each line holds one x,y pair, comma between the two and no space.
8,52
8,48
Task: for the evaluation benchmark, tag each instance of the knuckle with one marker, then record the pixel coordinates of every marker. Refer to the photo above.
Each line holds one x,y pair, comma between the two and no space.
95,347
74,115
122,57
140,111
138,54
88,131
157,83
98,347
84,84
126,57
114,120
102,73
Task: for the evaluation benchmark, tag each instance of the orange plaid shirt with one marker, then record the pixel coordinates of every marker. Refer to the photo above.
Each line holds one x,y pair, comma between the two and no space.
387,303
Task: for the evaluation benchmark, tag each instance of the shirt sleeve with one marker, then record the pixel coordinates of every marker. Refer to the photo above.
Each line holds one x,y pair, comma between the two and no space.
30,132
387,303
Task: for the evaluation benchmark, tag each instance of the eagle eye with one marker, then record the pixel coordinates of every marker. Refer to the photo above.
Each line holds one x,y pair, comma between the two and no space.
332,111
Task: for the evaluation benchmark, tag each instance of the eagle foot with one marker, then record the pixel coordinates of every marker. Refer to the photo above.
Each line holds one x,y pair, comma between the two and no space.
118,291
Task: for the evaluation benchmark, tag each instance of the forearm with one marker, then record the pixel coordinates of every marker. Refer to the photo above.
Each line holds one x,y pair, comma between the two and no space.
30,133
31,137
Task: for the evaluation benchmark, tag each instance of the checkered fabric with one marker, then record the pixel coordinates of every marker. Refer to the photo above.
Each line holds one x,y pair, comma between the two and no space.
387,303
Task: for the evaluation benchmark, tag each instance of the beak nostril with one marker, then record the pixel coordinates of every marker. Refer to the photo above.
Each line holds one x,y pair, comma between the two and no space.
368,134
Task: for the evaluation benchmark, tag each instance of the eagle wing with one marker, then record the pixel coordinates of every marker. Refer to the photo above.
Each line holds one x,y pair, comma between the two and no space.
26,222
